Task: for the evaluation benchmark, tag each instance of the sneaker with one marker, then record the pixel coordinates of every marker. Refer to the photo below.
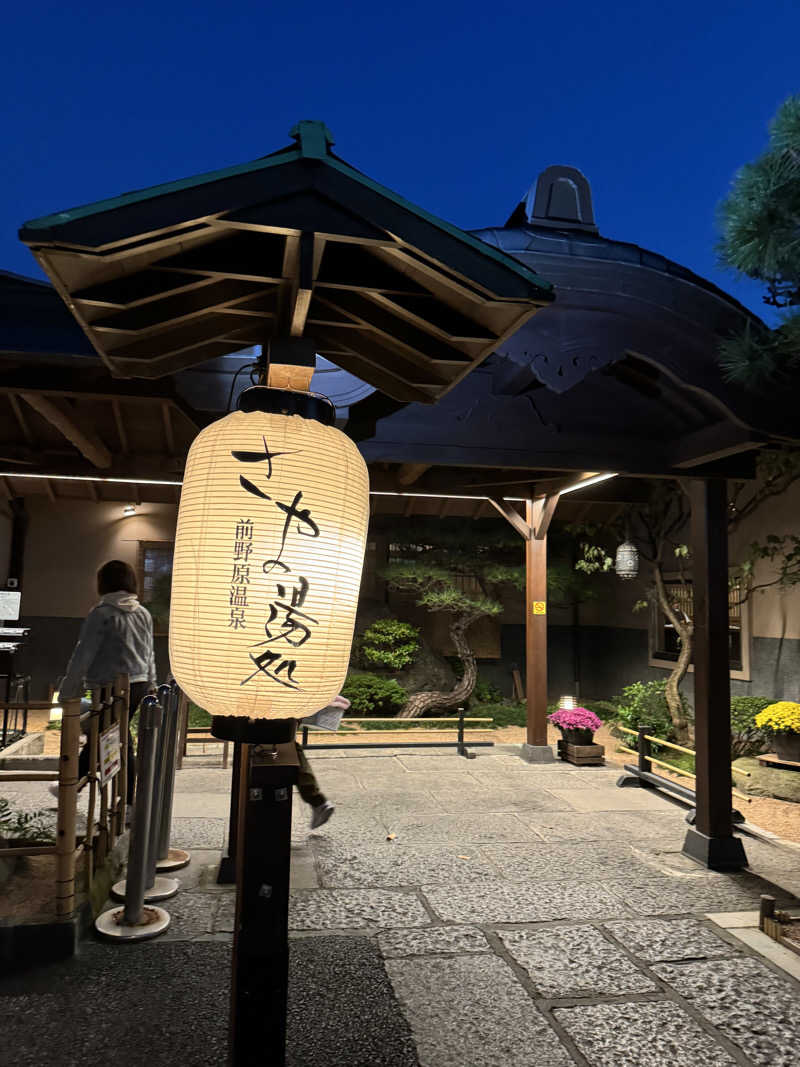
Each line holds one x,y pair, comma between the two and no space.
321,814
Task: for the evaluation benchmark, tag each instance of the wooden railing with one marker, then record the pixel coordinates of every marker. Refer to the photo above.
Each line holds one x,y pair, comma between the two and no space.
646,756
105,820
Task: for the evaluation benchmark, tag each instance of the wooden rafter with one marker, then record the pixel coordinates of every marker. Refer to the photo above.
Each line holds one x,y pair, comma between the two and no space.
16,407
408,473
51,492
169,434
88,444
121,433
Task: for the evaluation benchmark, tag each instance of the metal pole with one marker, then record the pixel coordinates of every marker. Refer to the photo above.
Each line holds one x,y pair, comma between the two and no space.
170,859
150,720
135,921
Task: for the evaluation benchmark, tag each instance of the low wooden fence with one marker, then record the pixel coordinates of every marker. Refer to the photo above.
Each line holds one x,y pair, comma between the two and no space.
644,770
105,819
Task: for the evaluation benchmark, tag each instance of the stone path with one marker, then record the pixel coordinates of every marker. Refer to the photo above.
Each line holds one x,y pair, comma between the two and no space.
530,915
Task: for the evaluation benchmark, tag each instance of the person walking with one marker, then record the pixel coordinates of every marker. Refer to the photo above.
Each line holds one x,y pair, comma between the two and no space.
116,638
307,785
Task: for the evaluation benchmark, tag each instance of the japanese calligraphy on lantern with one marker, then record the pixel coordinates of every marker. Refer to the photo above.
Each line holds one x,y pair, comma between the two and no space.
268,555
287,623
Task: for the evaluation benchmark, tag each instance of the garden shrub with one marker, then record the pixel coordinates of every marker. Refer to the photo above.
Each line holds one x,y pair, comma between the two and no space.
504,714
603,709
645,704
389,643
24,826
746,738
485,693
370,695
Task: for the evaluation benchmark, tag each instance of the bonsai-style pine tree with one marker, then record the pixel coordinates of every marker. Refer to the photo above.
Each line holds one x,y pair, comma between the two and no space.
760,221
455,567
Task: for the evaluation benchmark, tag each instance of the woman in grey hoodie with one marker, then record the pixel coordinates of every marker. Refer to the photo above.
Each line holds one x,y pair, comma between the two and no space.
116,638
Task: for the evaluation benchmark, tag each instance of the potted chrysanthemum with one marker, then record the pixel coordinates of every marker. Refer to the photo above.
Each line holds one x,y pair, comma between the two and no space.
782,720
577,726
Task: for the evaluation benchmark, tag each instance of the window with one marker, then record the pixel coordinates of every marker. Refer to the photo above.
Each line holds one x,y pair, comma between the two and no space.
664,641
155,580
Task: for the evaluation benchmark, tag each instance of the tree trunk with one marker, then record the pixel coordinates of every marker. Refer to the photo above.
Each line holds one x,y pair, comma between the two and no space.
685,632
419,703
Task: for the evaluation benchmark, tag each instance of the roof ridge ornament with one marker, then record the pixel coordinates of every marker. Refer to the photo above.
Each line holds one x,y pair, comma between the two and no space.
313,137
560,199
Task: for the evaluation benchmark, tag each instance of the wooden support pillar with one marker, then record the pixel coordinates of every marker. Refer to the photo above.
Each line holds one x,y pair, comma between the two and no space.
537,516
711,840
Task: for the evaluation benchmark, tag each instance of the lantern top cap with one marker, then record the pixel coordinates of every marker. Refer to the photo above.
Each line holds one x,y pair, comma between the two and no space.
271,401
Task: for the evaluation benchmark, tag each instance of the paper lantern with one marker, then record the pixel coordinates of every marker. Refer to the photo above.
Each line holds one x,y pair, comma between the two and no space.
626,563
269,549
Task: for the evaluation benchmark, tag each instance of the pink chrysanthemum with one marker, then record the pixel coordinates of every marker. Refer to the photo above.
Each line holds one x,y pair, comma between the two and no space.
575,719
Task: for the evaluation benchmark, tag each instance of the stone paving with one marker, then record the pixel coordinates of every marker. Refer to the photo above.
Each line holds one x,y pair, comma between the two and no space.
484,912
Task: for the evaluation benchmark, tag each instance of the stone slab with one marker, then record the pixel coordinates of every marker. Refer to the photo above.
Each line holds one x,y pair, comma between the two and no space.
395,863
493,798
753,1007
606,798
587,861
781,956
662,940
204,805
198,833
683,894
342,1008
348,909
471,828
630,827
203,780
496,901
50,1015
574,961
432,941
470,1010
654,1034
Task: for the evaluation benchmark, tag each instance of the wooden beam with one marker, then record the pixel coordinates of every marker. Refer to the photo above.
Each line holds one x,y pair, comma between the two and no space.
169,435
711,840
88,444
5,488
50,490
408,473
409,508
92,489
511,515
302,290
123,437
16,407
543,510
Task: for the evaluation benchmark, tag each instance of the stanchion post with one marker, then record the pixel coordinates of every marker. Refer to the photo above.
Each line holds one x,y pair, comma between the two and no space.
150,720
135,921
170,859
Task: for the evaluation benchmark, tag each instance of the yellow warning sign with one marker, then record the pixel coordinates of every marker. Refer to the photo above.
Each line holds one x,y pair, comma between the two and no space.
540,607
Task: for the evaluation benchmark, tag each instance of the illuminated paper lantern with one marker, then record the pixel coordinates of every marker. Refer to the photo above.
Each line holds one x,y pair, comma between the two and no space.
269,549
626,563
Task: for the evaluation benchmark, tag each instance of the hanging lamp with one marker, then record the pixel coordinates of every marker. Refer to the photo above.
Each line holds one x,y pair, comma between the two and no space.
269,549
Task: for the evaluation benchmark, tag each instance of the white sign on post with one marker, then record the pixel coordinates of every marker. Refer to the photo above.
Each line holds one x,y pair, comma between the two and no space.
9,604
110,758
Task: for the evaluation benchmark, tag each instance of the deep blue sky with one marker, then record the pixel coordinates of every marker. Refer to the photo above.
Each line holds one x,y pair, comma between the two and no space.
457,106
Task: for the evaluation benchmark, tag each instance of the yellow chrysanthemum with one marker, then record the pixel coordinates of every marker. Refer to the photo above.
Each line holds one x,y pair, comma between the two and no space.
782,717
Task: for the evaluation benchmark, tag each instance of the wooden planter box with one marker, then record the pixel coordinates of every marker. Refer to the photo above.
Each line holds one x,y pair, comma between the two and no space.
581,755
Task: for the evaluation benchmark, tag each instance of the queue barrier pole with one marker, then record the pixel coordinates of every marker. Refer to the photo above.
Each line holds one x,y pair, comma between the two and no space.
170,859
136,920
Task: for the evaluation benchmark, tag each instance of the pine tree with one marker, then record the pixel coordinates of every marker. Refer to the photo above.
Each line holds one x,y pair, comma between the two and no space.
760,222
